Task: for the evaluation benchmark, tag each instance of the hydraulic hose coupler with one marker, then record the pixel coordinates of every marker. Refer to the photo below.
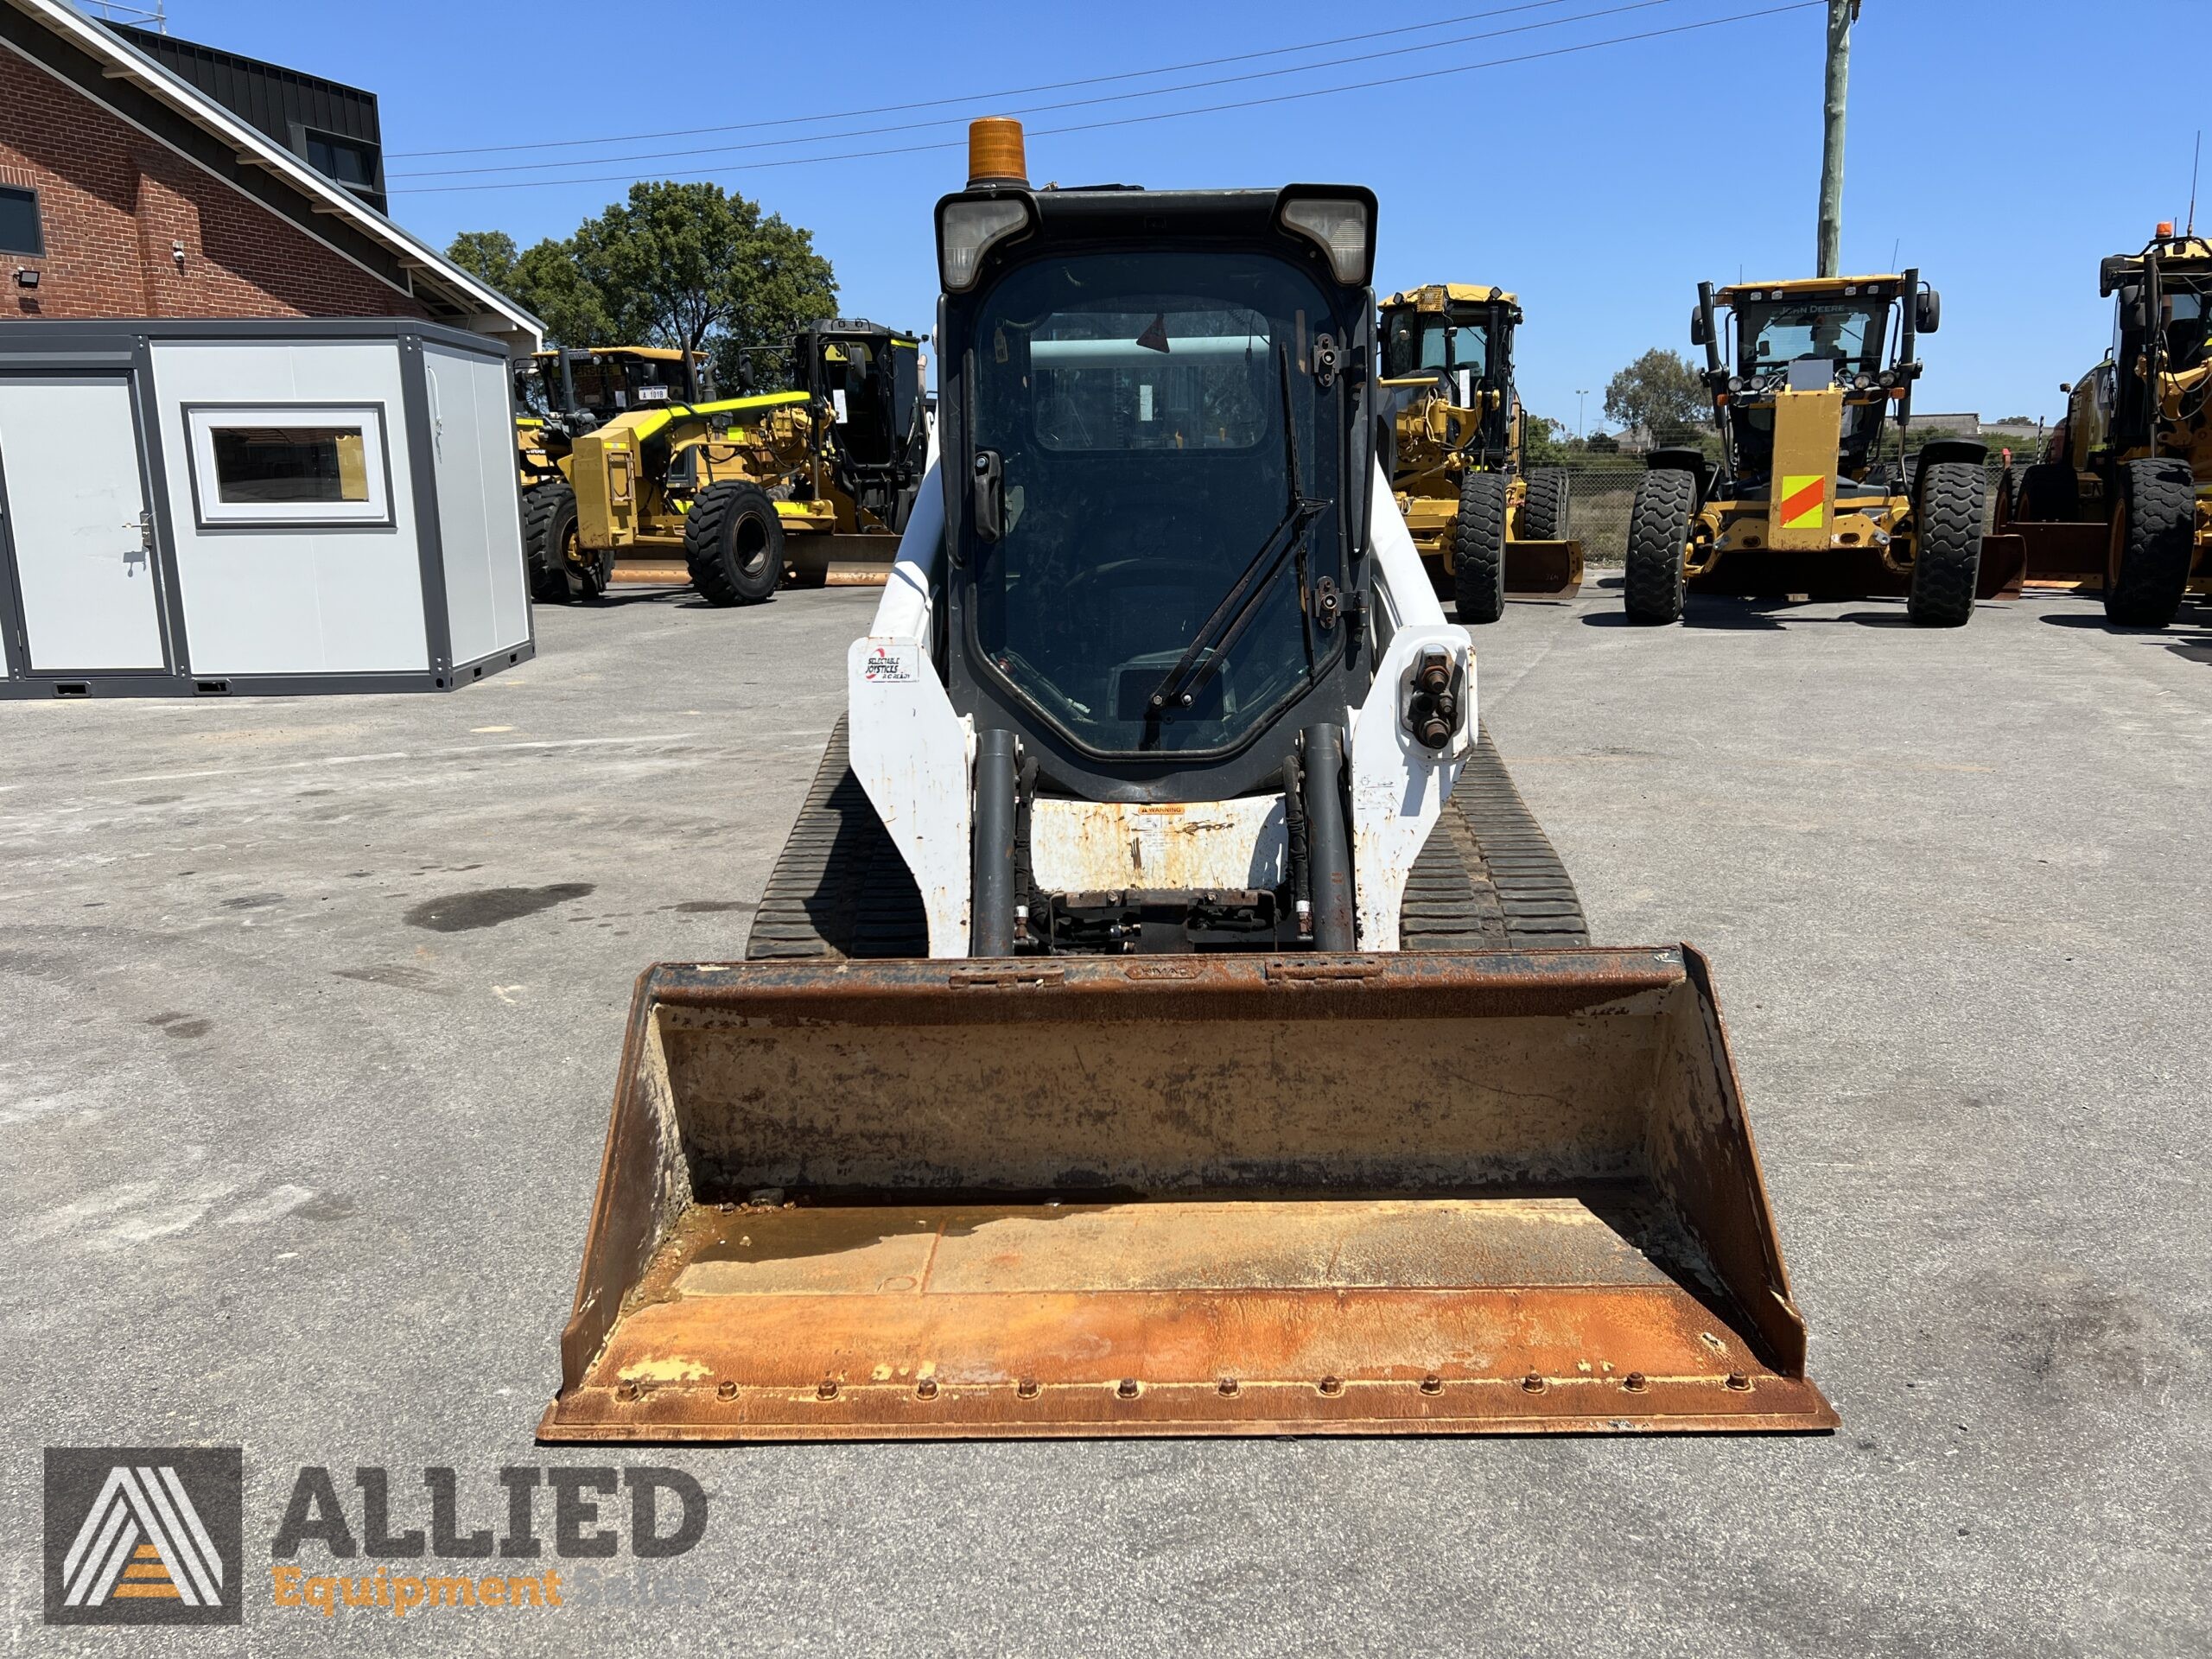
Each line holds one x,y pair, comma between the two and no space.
1433,711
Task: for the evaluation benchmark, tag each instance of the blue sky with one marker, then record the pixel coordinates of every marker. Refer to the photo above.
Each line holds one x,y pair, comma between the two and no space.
1601,184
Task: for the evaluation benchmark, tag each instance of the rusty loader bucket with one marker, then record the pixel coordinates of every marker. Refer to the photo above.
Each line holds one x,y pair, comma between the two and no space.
1180,1195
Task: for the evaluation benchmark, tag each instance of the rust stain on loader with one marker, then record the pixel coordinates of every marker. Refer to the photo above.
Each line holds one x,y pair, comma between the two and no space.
1511,1192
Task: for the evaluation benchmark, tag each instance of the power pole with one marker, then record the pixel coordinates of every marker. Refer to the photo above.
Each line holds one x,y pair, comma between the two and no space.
1841,15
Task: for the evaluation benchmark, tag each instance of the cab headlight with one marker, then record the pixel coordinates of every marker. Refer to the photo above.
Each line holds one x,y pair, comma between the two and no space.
969,227
1343,227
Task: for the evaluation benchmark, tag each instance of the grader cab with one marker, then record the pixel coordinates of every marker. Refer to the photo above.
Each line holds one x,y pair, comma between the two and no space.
1484,525
1814,489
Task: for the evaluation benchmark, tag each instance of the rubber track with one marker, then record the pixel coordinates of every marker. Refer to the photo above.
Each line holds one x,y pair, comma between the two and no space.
1487,879
839,888
1488,876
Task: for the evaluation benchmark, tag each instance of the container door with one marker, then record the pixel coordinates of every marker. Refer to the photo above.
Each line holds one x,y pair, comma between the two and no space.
79,522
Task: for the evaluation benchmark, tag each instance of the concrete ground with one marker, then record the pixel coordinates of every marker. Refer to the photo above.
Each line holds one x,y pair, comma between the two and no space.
311,1012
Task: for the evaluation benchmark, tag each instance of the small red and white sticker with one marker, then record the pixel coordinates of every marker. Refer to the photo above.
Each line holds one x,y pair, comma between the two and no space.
892,665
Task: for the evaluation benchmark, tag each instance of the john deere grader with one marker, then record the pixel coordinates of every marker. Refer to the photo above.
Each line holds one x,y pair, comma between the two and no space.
811,484
1813,492
1483,525
1165,1018
2123,497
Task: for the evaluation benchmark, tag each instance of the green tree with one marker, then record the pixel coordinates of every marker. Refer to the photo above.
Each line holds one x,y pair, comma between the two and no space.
1661,393
488,256
692,266
1541,444
549,281
687,265
544,280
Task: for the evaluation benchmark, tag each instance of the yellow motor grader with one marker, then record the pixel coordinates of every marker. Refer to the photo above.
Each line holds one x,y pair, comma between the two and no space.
1165,1018
736,496
559,394
1809,495
1483,525
2123,495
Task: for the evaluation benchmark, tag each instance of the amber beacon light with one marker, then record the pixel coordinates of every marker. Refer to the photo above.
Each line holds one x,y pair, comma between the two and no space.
995,152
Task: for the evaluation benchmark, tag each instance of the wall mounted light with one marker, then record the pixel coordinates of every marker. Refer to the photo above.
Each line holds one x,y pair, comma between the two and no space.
176,252
26,277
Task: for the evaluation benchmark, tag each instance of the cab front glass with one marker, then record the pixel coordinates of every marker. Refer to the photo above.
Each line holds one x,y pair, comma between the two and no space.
1135,407
1777,333
1417,342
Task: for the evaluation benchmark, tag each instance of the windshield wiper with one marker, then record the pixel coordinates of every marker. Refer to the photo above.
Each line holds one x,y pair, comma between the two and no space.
1208,648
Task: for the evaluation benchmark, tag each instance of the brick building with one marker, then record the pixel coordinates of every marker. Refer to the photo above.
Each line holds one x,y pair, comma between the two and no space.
126,190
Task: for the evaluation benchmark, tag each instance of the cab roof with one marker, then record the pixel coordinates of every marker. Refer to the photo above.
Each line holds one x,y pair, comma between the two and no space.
648,353
1434,297
1802,288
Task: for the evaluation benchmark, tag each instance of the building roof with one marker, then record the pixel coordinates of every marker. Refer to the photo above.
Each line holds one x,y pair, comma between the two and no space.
263,169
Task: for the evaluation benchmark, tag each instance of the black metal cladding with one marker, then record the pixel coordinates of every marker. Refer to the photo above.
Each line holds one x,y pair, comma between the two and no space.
292,108
1106,221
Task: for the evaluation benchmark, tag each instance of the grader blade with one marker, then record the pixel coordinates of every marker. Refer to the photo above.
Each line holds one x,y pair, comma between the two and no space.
1431,1193
1544,570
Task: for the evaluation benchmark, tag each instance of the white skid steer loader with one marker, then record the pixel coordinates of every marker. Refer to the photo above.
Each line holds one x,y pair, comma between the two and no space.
1166,1017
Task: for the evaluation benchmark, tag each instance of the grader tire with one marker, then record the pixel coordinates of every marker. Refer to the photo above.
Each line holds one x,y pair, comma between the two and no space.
1543,513
548,520
1478,549
1947,554
2153,542
734,544
1658,535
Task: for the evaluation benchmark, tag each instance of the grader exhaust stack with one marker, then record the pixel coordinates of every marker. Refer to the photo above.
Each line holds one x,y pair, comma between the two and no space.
1420,1194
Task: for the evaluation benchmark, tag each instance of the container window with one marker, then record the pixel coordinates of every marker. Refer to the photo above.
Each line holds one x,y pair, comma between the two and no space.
290,463
19,225
296,465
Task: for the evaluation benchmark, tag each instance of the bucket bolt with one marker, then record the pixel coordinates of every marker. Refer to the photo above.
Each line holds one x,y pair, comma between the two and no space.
1739,1381
926,1388
1230,1388
1027,1388
1432,1383
1127,1388
826,1388
1636,1382
1532,1383
726,1391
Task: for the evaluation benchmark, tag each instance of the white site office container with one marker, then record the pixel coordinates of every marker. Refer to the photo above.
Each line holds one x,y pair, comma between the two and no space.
281,506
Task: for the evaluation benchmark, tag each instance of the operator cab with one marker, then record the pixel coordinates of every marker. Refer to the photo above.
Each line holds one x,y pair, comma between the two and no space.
1457,340
2173,275
1156,408
869,378
1817,336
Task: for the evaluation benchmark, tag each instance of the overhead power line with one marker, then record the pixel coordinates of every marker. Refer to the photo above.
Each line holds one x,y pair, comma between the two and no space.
1160,115
1613,10
1361,38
